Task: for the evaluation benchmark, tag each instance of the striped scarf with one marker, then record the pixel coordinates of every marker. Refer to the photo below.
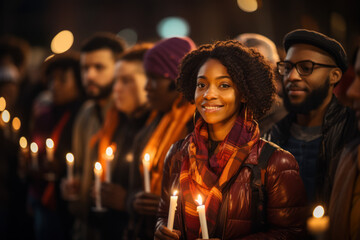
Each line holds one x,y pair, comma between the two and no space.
197,172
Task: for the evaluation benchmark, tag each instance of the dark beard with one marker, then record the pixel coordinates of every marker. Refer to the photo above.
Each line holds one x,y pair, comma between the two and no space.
104,92
311,102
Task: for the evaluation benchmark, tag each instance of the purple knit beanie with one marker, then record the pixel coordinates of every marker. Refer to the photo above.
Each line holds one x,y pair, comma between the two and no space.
165,57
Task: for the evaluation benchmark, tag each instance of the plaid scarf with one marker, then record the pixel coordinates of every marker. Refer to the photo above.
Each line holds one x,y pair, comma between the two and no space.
197,173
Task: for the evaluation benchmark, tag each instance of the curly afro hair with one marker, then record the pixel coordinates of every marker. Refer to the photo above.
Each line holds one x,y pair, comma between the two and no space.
252,75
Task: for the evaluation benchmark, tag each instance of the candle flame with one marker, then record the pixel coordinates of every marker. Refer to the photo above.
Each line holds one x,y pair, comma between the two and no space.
16,123
2,104
109,151
49,143
175,193
23,142
147,157
5,116
98,166
199,200
34,147
70,158
318,212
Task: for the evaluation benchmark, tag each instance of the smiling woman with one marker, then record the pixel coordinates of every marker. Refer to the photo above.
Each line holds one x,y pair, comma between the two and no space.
231,86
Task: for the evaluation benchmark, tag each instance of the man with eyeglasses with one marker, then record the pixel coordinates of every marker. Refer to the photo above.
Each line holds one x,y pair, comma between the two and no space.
317,126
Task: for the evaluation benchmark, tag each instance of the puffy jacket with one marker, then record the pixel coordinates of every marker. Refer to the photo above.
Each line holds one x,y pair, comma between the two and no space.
285,197
339,127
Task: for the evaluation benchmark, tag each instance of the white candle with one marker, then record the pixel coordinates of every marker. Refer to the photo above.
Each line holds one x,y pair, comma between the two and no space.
98,172
109,156
70,166
34,155
318,224
146,164
202,216
49,149
172,209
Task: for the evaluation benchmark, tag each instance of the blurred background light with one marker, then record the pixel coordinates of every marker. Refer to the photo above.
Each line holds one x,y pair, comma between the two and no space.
129,35
62,42
248,5
173,27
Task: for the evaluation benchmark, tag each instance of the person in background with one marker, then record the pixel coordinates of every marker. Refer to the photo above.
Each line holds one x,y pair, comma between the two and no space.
171,121
317,126
231,86
97,60
54,116
268,49
344,208
122,122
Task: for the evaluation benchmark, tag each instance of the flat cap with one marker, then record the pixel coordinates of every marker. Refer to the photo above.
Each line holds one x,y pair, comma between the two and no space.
329,45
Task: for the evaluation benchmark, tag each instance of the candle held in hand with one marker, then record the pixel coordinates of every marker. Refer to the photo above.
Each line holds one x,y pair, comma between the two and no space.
146,164
49,149
34,155
202,216
109,156
70,166
172,209
98,172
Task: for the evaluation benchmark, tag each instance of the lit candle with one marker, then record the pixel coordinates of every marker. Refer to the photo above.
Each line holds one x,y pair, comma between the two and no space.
34,155
49,149
146,164
2,104
318,224
109,156
202,216
70,166
16,124
98,172
23,145
172,209
5,116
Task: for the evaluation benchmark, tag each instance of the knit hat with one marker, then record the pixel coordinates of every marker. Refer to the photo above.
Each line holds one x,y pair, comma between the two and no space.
165,57
329,45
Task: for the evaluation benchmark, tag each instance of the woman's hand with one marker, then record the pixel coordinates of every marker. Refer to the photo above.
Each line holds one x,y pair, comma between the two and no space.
146,203
163,233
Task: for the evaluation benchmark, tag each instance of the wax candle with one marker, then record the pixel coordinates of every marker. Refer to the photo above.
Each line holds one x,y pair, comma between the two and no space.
172,209
146,164
202,216
49,149
34,155
70,166
318,224
109,157
98,172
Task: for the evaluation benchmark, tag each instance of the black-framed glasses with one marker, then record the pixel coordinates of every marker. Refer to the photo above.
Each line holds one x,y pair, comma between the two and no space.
304,68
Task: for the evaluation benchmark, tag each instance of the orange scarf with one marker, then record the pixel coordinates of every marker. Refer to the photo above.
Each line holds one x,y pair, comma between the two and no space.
170,129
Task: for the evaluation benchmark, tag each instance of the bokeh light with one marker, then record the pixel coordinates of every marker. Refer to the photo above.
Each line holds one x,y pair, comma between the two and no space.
248,5
5,116
129,35
173,27
2,104
62,42
16,123
23,142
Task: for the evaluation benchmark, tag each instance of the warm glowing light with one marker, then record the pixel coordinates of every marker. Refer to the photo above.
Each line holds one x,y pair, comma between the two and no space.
23,142
16,123
34,147
70,158
147,157
2,104
49,143
199,200
175,193
318,212
173,27
62,41
98,166
5,116
109,151
49,57
248,5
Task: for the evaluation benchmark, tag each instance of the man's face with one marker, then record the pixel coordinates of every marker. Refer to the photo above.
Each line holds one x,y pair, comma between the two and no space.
129,87
159,93
303,94
354,90
97,70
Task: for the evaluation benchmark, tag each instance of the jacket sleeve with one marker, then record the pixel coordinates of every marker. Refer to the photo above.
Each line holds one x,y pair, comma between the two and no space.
166,185
286,199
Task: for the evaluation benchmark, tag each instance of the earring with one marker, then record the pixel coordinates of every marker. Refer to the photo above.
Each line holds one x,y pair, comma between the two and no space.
194,118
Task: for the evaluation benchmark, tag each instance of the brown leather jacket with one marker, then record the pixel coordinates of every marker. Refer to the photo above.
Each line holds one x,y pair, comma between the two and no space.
285,197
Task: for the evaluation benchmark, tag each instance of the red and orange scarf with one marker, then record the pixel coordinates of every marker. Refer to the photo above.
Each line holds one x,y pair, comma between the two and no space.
198,172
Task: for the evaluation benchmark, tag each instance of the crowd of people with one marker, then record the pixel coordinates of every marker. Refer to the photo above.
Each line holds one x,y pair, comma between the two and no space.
110,134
